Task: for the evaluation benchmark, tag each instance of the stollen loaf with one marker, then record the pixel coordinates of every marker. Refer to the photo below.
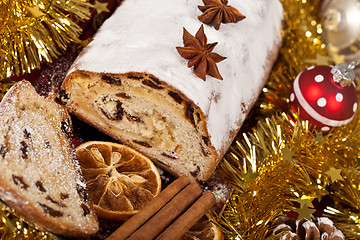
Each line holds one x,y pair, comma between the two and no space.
131,82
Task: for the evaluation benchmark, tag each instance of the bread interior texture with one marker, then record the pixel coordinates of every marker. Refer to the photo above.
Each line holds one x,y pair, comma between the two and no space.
146,114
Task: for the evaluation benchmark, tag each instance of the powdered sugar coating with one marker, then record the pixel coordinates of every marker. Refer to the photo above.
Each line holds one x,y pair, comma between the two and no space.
289,235
142,36
308,225
337,233
325,220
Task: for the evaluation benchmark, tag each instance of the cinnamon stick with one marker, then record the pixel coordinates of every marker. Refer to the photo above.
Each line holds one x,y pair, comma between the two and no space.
168,213
150,209
182,224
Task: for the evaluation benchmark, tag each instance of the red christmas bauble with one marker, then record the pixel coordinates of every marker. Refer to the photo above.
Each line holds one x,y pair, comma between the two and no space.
316,97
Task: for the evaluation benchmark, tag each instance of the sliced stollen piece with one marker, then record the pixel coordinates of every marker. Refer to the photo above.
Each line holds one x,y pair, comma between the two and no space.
131,83
40,178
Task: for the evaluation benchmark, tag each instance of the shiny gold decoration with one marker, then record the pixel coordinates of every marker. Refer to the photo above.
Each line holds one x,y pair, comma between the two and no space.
334,174
252,207
256,205
100,7
345,211
287,154
35,11
249,177
13,227
37,31
305,200
292,161
319,60
316,161
347,222
304,212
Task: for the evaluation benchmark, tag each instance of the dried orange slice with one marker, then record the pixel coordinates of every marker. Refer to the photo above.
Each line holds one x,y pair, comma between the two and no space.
120,180
204,229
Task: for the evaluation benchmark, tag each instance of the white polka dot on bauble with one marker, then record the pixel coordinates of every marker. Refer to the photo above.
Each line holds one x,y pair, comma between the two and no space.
325,129
319,78
355,107
292,97
321,102
339,97
311,68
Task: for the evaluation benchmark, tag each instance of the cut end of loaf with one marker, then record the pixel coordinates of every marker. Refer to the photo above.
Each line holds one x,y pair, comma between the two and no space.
39,177
143,112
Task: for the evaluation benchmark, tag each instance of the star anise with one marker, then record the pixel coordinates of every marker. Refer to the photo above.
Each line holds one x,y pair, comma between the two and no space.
198,52
217,12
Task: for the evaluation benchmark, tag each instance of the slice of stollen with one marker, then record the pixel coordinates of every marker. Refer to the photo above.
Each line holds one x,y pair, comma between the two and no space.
40,178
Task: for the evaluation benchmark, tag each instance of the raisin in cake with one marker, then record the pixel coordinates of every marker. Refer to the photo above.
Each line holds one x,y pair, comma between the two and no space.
131,83
39,177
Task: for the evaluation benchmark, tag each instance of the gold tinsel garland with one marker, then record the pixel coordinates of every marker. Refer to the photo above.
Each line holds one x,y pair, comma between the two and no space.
14,227
37,31
282,162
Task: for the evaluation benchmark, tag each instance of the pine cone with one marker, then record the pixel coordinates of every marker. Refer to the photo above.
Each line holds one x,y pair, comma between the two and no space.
321,228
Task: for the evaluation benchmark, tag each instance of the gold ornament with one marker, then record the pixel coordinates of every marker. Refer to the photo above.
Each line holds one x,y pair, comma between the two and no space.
319,60
14,227
305,212
305,200
100,7
249,177
37,31
35,11
334,174
287,154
